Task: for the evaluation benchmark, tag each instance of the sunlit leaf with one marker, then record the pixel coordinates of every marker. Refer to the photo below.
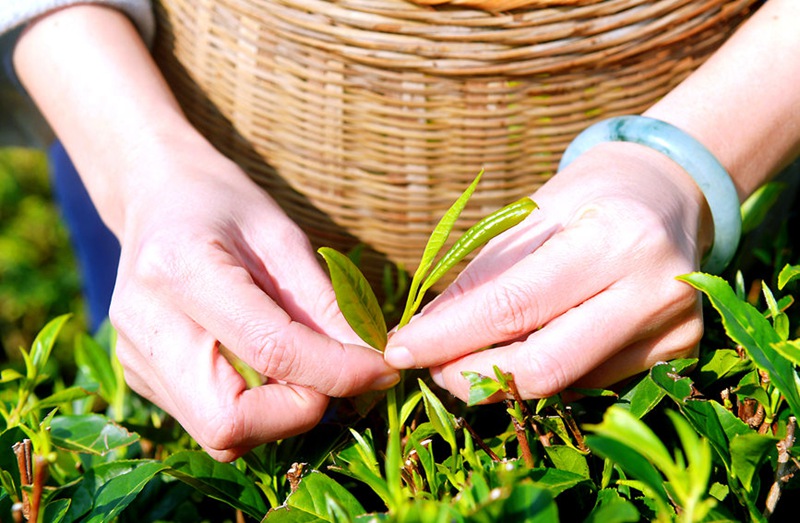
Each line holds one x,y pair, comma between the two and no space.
220,481
116,485
480,387
757,206
610,507
92,434
64,396
747,327
435,243
788,274
747,457
789,349
356,299
441,420
632,445
43,344
311,502
524,502
93,359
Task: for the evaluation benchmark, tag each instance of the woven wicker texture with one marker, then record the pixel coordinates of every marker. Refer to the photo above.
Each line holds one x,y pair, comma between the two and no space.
366,119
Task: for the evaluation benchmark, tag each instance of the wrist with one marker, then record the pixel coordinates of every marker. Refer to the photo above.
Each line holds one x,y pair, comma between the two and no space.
709,175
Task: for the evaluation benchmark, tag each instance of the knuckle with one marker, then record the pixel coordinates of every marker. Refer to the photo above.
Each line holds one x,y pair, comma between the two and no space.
221,433
157,262
510,311
273,351
542,375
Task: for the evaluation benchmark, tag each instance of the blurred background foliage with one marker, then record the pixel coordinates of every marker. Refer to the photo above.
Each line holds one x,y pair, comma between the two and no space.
38,274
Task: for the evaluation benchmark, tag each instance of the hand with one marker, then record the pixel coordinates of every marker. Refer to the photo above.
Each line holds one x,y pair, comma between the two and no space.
211,260
583,292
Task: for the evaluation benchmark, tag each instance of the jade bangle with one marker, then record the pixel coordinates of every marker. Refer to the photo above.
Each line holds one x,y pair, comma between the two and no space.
693,157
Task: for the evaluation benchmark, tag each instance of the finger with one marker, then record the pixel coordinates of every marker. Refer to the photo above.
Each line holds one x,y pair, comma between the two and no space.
510,305
304,290
223,416
217,292
582,339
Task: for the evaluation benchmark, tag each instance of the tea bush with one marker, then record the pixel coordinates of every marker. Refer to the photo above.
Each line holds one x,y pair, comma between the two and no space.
710,439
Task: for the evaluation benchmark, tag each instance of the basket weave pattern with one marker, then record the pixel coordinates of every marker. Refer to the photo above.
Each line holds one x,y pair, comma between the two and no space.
365,119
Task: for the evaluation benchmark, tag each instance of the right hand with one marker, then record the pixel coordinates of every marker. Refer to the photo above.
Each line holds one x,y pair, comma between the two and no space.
210,260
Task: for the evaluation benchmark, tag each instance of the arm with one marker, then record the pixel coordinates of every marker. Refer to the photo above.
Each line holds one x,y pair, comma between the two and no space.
584,292
207,257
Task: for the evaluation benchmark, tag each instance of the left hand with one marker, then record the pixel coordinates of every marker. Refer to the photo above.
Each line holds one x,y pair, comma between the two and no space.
583,292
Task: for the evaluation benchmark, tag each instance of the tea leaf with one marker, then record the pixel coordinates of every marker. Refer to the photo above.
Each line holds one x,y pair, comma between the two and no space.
220,481
59,398
747,457
789,349
524,502
356,299
633,446
476,236
113,486
92,434
441,420
480,387
610,507
788,274
43,344
312,502
756,207
435,243
709,418
747,327
93,359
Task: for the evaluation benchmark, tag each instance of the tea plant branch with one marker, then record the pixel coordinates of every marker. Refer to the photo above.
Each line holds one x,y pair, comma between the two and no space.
521,434
566,414
784,471
23,450
462,423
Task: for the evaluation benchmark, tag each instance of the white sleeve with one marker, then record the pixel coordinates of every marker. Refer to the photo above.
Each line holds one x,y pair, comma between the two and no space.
16,13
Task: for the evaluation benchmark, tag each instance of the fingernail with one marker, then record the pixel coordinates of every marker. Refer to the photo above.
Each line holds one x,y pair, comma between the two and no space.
436,376
399,358
387,381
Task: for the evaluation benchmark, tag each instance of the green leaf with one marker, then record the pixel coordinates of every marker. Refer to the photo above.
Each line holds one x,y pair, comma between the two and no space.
93,359
56,511
441,420
115,490
475,237
435,243
789,349
44,341
788,274
410,403
747,327
747,457
91,434
709,418
480,387
220,481
9,375
554,480
568,459
310,502
719,364
756,207
631,444
57,399
610,507
643,396
524,502
356,299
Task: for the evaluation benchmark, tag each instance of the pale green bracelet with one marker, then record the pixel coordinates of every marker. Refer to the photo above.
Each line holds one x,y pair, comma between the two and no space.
693,157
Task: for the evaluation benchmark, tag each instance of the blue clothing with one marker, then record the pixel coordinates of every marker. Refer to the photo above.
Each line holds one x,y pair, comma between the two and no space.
96,248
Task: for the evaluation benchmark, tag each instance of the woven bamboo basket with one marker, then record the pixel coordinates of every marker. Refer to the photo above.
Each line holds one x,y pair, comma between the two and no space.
366,119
